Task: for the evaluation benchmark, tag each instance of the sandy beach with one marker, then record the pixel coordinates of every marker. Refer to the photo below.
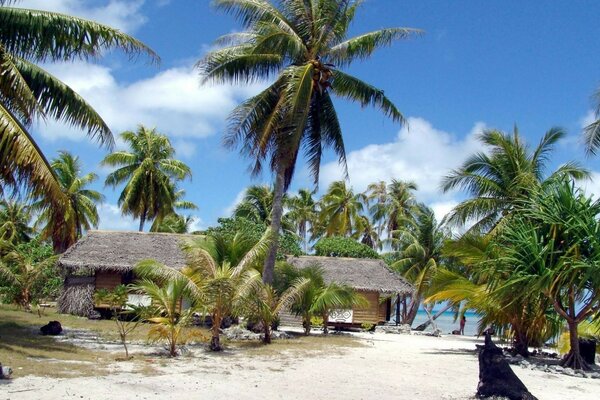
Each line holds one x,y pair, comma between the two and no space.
384,366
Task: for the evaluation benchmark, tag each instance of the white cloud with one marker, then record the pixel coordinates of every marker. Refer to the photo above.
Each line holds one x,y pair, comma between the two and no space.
121,14
587,119
197,224
420,153
172,101
440,209
112,219
228,211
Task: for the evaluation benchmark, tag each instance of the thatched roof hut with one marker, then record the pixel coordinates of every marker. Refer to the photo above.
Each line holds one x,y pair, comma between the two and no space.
121,251
360,273
105,259
371,278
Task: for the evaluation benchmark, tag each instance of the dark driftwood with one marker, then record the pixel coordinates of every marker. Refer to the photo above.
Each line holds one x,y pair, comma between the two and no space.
52,328
496,378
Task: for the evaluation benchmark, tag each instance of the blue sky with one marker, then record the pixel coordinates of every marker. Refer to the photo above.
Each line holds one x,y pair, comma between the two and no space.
478,65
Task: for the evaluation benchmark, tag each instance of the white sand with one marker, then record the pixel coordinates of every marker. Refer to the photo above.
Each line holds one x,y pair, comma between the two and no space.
389,367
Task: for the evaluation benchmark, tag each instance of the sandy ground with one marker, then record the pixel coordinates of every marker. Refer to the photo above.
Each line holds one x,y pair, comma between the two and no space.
387,367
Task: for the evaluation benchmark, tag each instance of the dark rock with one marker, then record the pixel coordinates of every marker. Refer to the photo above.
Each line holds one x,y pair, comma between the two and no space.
496,378
5,372
53,328
587,348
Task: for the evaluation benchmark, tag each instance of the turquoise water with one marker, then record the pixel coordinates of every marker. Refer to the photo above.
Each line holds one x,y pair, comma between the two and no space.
446,323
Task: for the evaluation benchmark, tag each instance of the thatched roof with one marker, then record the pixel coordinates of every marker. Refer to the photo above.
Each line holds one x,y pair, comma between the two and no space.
359,273
121,251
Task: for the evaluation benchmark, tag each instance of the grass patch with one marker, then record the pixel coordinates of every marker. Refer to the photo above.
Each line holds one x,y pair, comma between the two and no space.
29,353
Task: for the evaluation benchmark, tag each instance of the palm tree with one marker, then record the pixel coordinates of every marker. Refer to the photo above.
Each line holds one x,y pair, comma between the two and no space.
174,222
14,221
260,301
29,93
21,270
303,43
591,133
171,322
216,269
65,222
554,249
340,210
303,213
318,298
421,253
150,173
367,233
257,204
504,175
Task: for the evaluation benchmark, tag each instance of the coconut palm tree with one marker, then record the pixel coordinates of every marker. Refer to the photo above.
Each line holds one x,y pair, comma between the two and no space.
340,210
29,93
367,233
318,298
303,45
302,213
216,269
174,222
591,133
260,301
256,205
421,253
149,172
171,322
65,222
21,270
502,176
15,217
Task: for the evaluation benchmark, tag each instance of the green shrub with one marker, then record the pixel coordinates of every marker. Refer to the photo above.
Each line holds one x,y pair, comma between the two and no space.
367,326
343,247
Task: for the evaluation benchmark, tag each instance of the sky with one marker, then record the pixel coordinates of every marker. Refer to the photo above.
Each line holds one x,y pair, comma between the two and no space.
478,65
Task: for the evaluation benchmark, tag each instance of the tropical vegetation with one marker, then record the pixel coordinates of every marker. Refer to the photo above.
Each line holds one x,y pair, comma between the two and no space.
303,45
149,172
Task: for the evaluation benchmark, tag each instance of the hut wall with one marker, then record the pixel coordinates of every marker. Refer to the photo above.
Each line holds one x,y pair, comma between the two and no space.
368,314
107,280
77,296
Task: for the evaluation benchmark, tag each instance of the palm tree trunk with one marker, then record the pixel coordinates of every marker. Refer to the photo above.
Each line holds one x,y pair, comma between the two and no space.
267,333
142,220
276,213
412,311
425,324
215,340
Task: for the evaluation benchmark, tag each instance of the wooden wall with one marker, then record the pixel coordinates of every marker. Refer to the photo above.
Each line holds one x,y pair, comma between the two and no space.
107,280
370,313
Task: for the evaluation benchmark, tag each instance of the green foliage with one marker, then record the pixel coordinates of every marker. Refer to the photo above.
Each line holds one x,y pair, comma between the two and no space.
127,317
149,172
343,247
316,321
29,93
65,223
30,273
367,326
289,243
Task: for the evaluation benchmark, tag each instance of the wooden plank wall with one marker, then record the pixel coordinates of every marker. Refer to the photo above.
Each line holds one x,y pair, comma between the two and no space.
369,314
107,280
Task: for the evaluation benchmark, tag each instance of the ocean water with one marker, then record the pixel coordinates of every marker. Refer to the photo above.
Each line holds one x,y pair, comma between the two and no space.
446,323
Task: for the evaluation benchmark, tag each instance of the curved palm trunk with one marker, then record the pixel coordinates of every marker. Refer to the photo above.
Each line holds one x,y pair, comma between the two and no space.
413,307
306,324
429,321
276,213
